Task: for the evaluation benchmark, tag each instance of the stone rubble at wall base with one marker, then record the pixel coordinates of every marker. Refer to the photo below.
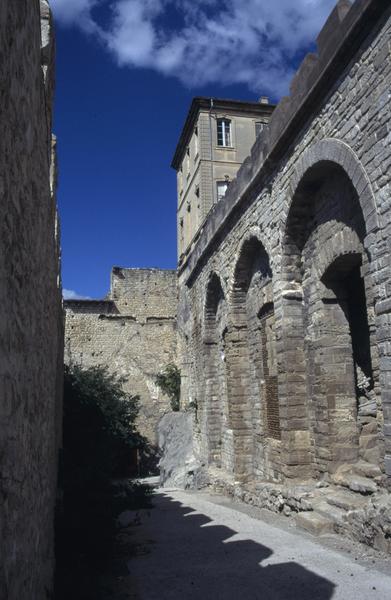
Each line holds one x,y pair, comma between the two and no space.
328,507
365,518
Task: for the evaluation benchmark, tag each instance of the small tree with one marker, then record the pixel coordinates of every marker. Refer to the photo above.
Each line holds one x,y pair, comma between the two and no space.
99,435
169,381
99,423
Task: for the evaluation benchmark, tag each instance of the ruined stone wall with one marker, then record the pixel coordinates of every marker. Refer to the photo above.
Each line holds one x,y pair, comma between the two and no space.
133,332
31,340
306,225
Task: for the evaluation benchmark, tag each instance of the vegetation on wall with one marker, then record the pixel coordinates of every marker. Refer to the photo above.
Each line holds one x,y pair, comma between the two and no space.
99,438
169,381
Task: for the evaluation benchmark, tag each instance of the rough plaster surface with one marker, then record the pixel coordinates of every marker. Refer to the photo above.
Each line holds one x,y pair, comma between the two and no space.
31,319
133,332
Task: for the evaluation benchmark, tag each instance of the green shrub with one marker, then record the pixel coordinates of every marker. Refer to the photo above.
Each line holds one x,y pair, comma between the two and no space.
169,381
99,435
99,429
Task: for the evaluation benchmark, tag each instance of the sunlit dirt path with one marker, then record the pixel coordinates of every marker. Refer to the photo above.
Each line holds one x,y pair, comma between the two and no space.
194,546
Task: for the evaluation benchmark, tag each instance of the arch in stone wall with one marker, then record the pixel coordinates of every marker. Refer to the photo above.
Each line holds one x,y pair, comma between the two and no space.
214,289
249,338
347,243
215,396
253,235
252,258
326,272
336,151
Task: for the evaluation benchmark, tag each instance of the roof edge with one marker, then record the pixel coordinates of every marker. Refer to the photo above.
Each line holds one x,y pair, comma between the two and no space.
204,102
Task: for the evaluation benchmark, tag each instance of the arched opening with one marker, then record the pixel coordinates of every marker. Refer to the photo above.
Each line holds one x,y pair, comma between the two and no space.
326,269
348,374
252,366
215,371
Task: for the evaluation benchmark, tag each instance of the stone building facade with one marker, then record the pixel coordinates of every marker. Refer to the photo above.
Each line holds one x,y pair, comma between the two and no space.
216,138
133,332
285,298
31,341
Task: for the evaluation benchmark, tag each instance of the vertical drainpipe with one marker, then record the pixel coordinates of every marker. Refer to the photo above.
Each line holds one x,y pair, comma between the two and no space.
211,151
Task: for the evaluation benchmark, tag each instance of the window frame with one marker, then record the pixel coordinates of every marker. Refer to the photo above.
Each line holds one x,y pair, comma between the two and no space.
188,162
196,143
180,180
226,132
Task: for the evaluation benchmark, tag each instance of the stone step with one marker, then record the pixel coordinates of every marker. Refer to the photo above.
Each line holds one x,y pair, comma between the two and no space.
356,483
331,512
366,469
315,523
346,500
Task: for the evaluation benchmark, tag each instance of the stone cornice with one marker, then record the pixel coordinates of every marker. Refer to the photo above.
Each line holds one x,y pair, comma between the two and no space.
202,103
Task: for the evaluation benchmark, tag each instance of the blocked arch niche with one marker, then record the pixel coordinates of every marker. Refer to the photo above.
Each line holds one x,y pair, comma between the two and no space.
331,213
215,315
251,355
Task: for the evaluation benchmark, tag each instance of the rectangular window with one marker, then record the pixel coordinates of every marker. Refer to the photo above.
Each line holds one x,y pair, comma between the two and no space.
221,189
182,233
224,132
188,161
195,142
180,180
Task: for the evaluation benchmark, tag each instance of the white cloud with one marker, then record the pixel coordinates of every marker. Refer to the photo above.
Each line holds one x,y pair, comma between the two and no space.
75,12
206,41
72,295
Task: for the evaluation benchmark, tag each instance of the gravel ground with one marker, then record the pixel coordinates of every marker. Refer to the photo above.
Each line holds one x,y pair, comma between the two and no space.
198,546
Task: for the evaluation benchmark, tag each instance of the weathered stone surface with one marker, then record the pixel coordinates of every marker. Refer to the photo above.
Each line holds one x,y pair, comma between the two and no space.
284,326
369,428
373,455
367,469
372,524
336,514
364,518
179,466
367,408
315,523
31,342
356,483
346,500
133,332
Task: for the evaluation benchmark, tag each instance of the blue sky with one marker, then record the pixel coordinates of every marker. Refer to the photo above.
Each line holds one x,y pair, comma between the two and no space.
126,73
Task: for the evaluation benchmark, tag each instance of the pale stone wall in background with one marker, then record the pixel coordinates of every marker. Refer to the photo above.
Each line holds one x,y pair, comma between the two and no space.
133,332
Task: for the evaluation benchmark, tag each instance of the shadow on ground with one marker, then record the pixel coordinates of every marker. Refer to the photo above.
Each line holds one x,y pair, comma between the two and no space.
184,556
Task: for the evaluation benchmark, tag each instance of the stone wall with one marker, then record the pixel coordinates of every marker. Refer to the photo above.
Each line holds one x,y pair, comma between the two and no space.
31,340
133,332
285,300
